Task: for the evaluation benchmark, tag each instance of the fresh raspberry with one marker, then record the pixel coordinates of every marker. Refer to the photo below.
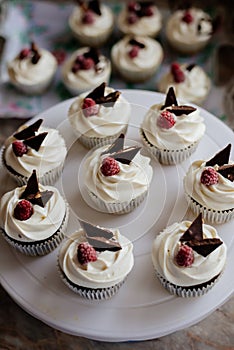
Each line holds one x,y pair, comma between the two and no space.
90,107
148,11
185,256
166,120
88,18
133,6
134,51
75,68
19,148
209,177
79,59
132,18
86,253
23,210
177,73
110,167
175,67
87,64
187,17
24,53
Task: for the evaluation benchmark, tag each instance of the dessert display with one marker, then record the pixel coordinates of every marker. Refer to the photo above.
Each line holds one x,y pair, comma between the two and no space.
34,147
98,117
140,18
209,187
85,69
188,257
117,178
94,261
189,30
91,22
189,81
137,58
32,70
33,217
171,131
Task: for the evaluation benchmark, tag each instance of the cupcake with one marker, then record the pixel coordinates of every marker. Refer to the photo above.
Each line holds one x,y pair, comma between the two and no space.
94,262
35,147
85,69
189,30
189,81
91,22
137,58
117,178
32,70
33,217
209,187
140,18
189,257
100,116
171,131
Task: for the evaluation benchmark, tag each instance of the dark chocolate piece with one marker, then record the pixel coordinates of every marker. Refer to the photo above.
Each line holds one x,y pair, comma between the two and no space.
101,239
116,146
92,53
33,194
95,7
180,110
98,96
28,131
221,158
36,141
227,171
206,246
190,66
126,156
194,232
98,92
36,56
134,42
170,99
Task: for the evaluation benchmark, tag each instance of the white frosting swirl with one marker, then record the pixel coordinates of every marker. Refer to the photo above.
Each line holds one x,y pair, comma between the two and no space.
148,57
50,155
219,196
166,246
132,180
108,121
145,25
187,129
194,88
86,79
109,269
23,71
100,26
43,223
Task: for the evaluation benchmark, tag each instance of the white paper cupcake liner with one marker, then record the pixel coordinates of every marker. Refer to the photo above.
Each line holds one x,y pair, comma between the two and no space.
187,292
169,157
210,215
39,248
118,208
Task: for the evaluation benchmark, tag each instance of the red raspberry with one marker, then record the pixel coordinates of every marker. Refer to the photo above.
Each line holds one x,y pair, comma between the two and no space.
23,210
110,167
185,256
175,67
88,18
133,6
187,17
87,63
19,148
79,59
75,68
209,177
177,73
132,18
86,253
24,53
90,107
148,11
166,120
134,51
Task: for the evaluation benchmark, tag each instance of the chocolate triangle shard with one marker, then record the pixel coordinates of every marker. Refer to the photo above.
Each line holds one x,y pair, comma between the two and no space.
98,92
183,109
92,53
170,99
116,146
190,67
206,246
194,232
33,194
101,239
134,42
227,171
36,141
95,7
221,157
126,156
28,131
98,96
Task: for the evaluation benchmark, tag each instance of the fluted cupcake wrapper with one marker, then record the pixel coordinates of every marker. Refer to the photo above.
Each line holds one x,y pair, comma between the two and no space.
118,208
39,248
169,157
210,215
187,292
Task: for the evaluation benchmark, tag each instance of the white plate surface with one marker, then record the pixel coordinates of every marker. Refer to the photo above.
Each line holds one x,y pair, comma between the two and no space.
141,309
